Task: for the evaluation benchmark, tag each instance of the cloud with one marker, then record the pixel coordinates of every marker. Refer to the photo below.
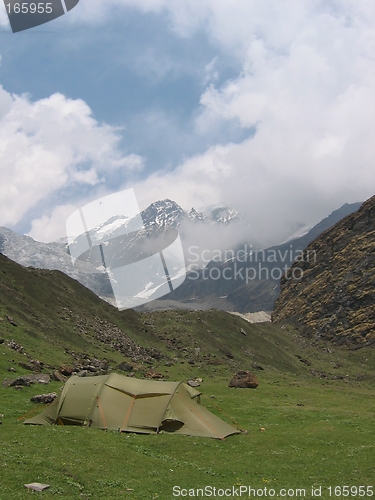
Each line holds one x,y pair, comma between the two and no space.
49,145
303,95
306,87
52,227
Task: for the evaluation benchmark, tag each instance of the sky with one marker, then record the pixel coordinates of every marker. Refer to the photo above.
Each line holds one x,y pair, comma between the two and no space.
260,105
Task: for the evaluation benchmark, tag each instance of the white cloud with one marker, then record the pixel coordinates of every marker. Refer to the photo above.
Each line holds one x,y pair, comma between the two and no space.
52,227
308,86
51,144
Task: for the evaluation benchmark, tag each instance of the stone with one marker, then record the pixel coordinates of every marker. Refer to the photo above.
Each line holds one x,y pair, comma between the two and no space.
193,383
59,377
16,347
21,381
44,398
125,367
11,320
36,486
66,370
26,380
244,379
153,374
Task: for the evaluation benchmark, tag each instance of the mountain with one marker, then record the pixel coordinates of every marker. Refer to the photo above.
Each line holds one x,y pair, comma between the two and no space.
246,281
333,296
159,216
249,280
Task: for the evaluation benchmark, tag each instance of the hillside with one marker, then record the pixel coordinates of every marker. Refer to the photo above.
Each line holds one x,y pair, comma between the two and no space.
56,320
334,299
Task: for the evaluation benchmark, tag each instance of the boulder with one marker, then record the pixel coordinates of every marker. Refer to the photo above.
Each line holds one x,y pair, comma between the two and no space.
193,383
44,398
125,367
66,370
59,377
244,379
27,380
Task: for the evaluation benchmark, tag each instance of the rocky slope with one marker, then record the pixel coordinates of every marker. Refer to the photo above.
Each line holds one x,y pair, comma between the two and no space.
333,295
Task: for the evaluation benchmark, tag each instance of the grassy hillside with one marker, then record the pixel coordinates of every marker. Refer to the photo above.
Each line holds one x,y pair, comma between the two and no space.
315,401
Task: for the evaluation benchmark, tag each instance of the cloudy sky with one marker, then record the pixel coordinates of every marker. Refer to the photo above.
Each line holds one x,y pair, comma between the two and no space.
261,105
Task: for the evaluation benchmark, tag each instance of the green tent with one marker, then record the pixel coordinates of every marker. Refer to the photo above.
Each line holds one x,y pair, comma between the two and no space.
132,405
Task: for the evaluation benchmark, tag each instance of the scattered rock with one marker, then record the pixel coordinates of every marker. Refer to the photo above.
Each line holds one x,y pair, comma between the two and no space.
21,381
169,363
27,380
153,374
262,429
16,347
66,370
34,365
125,367
37,486
257,367
243,332
59,377
193,383
11,320
44,398
244,379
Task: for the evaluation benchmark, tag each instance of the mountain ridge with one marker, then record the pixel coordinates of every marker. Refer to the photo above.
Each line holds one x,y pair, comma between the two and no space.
255,294
335,295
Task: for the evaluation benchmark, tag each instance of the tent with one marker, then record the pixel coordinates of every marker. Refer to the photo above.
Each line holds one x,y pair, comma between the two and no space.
132,405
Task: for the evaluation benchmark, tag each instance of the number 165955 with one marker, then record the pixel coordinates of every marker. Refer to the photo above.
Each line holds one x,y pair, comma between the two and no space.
30,8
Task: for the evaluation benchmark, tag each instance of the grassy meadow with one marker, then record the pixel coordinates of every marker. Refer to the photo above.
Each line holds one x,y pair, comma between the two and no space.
315,402
316,433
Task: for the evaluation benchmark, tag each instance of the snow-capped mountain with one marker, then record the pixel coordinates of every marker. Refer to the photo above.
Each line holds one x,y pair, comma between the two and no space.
158,217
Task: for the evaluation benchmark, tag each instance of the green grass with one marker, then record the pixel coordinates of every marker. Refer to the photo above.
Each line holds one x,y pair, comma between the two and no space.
317,432
315,401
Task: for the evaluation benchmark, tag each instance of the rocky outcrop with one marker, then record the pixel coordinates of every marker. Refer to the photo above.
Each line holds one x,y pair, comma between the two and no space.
330,291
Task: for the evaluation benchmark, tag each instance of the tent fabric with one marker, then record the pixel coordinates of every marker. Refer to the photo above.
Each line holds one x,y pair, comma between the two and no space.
128,404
